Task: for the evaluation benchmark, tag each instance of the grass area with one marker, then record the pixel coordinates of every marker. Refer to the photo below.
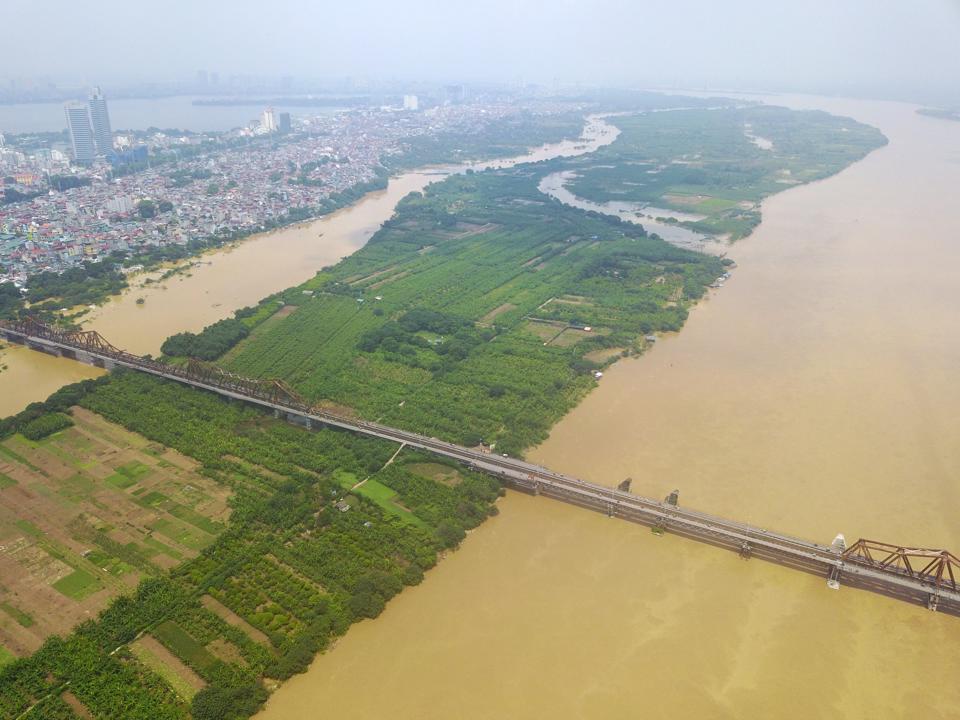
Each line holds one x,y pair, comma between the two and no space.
163,548
78,585
13,455
29,528
387,499
6,657
22,618
172,677
108,563
6,481
194,518
179,532
120,481
181,644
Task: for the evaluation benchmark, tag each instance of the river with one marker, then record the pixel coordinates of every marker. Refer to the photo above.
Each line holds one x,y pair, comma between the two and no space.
815,393
234,277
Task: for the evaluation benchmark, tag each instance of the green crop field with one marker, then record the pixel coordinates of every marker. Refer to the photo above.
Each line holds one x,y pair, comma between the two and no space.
77,585
17,614
170,676
181,644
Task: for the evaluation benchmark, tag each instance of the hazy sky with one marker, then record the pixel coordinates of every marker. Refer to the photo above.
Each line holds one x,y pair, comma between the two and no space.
860,45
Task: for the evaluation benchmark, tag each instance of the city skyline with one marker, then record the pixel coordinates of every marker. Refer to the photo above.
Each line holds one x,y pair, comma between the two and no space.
857,47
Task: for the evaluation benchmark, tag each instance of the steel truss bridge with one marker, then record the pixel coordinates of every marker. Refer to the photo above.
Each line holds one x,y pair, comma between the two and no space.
922,576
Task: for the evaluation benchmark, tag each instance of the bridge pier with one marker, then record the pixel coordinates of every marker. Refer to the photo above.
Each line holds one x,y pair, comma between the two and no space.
833,579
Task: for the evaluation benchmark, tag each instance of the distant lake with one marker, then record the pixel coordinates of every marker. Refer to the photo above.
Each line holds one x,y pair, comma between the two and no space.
168,112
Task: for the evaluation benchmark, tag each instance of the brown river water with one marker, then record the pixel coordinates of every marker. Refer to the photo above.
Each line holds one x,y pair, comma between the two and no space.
816,393
231,278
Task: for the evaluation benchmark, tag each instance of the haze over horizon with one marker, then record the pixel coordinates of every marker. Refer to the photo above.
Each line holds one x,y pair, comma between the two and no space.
877,48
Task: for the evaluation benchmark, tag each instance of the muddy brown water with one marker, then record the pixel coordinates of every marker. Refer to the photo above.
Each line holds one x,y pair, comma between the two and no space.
815,393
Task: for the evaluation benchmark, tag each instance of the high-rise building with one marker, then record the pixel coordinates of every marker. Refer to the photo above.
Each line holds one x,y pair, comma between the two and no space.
102,134
81,134
269,121
410,102
283,120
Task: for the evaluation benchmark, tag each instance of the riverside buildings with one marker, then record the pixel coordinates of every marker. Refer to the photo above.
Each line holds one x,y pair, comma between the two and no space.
100,118
81,132
89,126
210,185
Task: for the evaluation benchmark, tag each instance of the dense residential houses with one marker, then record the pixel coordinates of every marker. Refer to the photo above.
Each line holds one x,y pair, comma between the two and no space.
226,184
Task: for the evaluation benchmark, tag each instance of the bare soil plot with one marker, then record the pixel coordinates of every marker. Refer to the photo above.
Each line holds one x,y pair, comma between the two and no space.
569,336
78,707
437,472
490,316
231,618
467,229
185,682
545,330
78,512
360,279
388,280
227,651
601,356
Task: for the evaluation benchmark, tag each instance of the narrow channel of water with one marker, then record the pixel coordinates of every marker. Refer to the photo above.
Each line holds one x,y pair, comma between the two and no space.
816,392
234,277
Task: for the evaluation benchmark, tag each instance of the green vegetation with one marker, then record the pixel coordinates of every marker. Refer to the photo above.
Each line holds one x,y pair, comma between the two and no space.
710,162
291,564
86,284
504,138
465,317
6,657
45,425
210,344
17,614
169,675
77,585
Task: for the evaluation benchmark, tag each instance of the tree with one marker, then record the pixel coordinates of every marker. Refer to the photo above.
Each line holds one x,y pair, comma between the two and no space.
165,206
147,209
450,534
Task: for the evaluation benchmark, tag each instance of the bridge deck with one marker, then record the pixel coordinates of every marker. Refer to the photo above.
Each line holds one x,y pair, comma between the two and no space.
823,560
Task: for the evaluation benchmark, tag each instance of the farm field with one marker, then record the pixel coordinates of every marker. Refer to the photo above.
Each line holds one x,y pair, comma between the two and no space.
488,337
718,163
77,516
305,554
